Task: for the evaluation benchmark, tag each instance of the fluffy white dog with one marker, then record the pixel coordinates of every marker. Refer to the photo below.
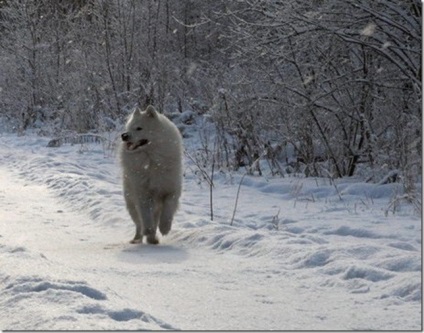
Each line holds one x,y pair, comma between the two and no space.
151,156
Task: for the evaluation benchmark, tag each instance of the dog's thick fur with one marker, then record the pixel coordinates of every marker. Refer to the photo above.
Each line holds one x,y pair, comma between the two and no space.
151,157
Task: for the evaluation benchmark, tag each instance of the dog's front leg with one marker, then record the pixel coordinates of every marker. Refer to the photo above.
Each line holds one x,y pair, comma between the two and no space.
149,226
136,219
138,238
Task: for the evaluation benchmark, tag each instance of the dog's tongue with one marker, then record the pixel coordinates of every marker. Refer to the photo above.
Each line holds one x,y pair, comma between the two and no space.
135,145
130,145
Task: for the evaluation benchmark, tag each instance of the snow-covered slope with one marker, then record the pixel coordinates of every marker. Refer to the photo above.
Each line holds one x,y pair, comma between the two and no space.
300,254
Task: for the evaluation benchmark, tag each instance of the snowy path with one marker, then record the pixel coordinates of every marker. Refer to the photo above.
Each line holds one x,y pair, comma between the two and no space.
66,262
127,284
102,278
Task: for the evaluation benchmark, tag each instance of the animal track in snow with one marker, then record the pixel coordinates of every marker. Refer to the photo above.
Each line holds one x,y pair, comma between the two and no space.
318,259
123,315
355,232
366,273
36,285
403,246
401,264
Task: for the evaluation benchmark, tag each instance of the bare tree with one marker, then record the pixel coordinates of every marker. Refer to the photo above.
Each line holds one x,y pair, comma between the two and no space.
338,82
327,72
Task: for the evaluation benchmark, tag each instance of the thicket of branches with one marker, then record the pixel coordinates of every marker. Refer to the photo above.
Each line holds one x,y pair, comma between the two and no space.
336,82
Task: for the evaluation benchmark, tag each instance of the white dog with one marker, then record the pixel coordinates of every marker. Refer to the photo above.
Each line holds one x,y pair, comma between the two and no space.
151,156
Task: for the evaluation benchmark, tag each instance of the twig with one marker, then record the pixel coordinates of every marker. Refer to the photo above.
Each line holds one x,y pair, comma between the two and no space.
237,197
202,170
241,181
334,184
211,188
276,219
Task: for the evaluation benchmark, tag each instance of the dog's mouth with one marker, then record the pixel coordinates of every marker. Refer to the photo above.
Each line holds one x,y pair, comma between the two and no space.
135,145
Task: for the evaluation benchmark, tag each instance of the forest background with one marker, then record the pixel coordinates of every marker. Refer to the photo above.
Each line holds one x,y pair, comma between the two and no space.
338,83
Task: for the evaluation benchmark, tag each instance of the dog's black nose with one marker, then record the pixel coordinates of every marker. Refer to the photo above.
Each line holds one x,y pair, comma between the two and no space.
125,136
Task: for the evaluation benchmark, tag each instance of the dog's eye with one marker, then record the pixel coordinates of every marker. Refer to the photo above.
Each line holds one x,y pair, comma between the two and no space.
138,129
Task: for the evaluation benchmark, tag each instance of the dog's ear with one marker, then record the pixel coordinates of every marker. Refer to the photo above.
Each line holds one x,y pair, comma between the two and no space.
151,111
136,113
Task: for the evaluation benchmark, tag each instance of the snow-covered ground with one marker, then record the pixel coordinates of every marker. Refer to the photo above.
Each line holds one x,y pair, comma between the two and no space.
300,254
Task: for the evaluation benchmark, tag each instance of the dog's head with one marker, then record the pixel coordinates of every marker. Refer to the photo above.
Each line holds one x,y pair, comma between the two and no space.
140,129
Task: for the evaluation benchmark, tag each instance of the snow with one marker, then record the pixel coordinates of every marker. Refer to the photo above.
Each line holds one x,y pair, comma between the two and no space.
301,253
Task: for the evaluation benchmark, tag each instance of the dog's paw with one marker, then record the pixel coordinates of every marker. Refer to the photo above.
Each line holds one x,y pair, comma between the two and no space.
152,240
136,241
